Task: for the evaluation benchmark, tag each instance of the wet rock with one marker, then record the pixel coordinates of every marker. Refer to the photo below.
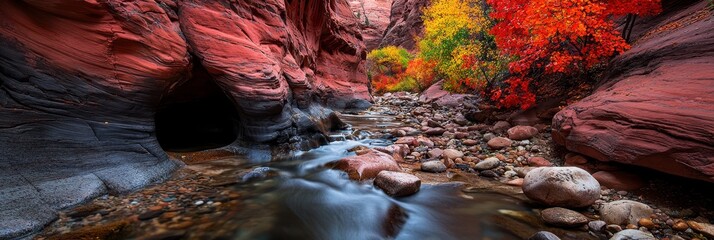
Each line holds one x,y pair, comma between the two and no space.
470,142
258,173
499,143
704,228
433,166
522,132
453,154
561,186
397,184
539,162
619,180
488,163
562,217
366,166
624,212
631,234
544,235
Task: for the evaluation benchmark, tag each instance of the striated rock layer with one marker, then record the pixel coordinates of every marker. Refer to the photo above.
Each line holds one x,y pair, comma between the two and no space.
657,108
373,19
405,23
81,81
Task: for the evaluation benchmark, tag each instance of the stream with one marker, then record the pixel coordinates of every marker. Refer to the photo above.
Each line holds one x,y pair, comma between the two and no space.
299,198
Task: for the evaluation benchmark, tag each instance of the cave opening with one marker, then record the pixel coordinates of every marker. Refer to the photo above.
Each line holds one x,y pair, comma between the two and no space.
196,115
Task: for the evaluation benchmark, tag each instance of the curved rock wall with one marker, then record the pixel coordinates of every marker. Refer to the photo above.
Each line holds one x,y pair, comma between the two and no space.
80,82
405,23
657,108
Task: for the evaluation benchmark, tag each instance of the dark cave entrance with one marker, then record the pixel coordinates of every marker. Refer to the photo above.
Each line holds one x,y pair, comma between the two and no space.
196,116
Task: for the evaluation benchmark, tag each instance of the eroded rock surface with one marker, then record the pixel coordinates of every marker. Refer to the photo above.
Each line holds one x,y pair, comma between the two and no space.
80,83
373,16
405,23
656,109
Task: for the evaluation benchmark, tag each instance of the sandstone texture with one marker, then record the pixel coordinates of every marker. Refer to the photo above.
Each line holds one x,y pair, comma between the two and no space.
656,108
81,81
405,23
373,16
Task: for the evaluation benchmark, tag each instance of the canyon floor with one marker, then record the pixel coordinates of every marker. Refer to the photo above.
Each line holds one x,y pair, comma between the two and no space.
466,179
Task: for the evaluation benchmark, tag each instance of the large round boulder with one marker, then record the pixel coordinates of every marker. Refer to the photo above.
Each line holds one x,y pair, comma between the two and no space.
561,186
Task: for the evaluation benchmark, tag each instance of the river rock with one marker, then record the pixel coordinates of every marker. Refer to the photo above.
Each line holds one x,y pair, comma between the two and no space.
470,142
624,212
367,165
619,180
435,153
499,143
435,131
562,217
488,136
597,225
488,163
539,162
397,184
544,235
632,234
424,141
561,186
521,132
411,141
453,154
433,166
501,126
706,229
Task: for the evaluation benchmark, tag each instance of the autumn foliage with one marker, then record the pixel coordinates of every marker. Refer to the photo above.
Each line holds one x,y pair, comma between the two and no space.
456,38
557,37
505,48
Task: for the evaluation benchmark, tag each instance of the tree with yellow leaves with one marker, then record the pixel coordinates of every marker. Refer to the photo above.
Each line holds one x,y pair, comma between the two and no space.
456,38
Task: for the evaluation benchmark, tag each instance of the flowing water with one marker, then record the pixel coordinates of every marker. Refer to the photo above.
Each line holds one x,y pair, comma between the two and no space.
305,200
297,197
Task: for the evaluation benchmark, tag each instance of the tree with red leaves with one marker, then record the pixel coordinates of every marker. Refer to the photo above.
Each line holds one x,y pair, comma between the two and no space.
563,37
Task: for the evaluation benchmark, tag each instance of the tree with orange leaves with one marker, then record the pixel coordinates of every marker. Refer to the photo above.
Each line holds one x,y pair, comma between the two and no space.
557,37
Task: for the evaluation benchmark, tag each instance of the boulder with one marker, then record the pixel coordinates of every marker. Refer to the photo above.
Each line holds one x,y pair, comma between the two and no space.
499,143
619,180
623,212
655,109
397,184
561,186
562,217
521,132
433,93
367,165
